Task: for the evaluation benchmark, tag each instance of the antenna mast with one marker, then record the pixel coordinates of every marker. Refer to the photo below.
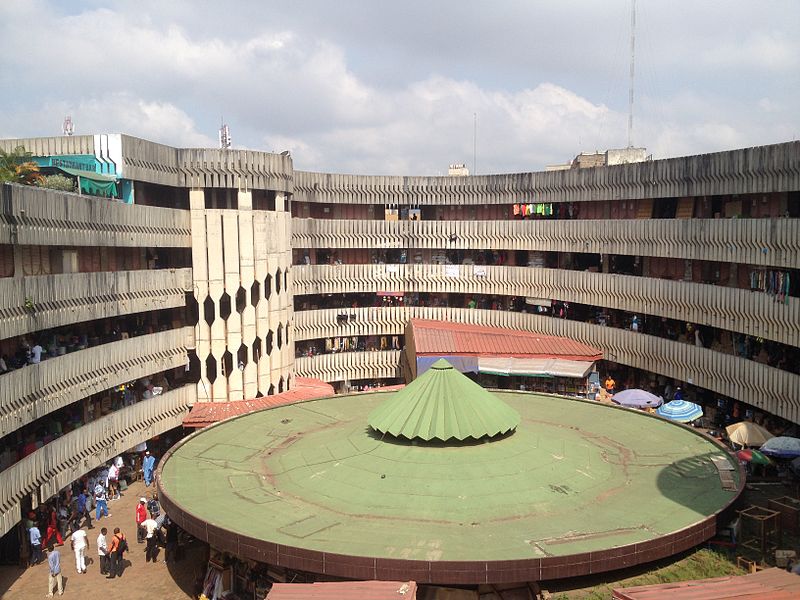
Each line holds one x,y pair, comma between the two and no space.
474,143
630,89
224,136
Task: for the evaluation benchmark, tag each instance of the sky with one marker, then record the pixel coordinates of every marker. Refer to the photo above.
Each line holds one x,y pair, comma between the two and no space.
406,88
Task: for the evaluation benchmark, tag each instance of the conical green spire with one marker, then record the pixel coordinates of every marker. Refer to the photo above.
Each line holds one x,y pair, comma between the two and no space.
443,404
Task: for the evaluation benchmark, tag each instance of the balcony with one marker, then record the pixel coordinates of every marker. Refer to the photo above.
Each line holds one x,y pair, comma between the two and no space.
58,463
771,389
731,309
37,390
39,217
47,301
350,366
763,242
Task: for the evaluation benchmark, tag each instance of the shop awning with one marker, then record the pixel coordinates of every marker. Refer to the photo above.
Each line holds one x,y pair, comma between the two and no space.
93,183
534,367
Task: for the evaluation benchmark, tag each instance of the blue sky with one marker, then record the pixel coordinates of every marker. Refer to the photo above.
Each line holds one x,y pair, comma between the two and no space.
395,87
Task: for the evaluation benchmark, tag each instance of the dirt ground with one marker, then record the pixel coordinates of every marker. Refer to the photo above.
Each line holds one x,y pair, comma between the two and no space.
140,580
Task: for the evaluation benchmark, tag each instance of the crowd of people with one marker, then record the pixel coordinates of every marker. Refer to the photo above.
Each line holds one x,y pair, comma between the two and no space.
68,517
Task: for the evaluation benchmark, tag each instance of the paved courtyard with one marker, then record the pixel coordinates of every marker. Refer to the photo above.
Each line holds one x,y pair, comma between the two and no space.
140,580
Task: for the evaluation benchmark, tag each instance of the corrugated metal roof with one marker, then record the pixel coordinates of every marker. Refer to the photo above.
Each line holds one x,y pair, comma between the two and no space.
352,590
207,413
770,584
442,337
443,404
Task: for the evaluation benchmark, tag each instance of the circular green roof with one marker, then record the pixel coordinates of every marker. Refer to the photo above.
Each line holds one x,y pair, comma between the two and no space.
443,404
576,477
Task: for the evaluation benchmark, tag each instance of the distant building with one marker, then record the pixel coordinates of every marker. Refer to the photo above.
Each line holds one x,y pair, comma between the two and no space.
458,170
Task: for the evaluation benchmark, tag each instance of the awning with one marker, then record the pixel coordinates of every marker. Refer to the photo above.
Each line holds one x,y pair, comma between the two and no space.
534,367
93,183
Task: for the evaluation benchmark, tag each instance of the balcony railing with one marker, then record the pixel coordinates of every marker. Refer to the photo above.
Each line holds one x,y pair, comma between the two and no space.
764,242
757,384
58,463
37,390
46,301
39,217
731,309
351,366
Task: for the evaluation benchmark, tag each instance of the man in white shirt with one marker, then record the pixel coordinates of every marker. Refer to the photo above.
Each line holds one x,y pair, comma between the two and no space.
151,527
102,551
80,542
36,354
113,482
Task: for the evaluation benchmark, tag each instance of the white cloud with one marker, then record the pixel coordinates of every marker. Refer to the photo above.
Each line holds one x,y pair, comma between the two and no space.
285,79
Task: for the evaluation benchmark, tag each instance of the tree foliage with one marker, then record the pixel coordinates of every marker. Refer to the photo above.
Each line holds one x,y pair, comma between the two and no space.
57,182
17,167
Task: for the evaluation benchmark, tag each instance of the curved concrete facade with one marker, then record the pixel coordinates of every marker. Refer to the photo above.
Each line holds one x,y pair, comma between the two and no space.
243,222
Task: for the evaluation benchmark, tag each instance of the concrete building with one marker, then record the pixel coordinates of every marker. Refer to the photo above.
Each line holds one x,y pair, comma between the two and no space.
256,273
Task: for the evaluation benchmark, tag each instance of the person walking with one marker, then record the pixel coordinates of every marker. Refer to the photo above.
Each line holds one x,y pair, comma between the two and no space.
36,545
151,530
80,543
116,552
83,510
101,504
102,551
153,506
54,563
52,528
171,549
141,515
148,465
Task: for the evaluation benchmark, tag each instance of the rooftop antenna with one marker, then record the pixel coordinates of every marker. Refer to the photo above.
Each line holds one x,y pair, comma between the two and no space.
68,128
474,143
630,89
224,135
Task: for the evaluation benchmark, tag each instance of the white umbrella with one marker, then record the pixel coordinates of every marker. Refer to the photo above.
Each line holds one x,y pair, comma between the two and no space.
747,433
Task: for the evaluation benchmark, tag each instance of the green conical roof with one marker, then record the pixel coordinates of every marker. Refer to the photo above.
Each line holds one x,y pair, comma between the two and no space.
443,404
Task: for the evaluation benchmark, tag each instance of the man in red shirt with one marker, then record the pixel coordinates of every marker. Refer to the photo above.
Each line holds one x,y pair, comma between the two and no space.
52,529
141,516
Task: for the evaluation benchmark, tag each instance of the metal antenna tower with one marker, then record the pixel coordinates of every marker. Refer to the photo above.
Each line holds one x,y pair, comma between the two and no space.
474,143
224,135
630,89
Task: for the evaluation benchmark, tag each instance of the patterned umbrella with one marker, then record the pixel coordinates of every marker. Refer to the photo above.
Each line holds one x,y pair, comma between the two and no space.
782,447
746,433
753,456
682,411
637,399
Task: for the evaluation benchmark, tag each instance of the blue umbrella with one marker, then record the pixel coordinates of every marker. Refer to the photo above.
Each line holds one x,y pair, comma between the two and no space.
782,447
680,410
637,398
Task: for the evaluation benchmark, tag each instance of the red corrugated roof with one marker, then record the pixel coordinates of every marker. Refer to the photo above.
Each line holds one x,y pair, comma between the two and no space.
433,338
352,590
770,584
207,413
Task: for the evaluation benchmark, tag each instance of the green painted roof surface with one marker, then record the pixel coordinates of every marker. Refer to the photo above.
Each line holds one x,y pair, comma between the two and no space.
574,477
443,404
